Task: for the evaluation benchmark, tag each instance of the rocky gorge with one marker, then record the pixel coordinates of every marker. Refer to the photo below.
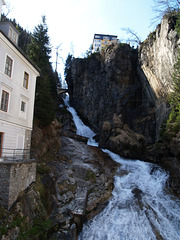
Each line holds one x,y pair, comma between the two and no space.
74,183
122,94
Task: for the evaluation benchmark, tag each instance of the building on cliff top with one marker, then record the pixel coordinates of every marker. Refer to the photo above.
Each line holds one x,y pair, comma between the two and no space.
102,40
17,92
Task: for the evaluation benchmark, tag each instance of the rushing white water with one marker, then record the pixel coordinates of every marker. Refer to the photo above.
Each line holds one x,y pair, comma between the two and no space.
82,129
140,209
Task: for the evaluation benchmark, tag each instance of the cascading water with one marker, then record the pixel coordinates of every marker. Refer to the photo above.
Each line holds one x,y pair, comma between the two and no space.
82,129
141,207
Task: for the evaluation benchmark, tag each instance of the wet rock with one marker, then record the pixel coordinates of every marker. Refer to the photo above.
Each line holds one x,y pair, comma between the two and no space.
84,182
72,135
137,193
121,139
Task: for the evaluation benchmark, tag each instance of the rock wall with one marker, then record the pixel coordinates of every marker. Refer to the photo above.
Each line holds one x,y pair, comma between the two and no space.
46,141
127,84
157,56
106,86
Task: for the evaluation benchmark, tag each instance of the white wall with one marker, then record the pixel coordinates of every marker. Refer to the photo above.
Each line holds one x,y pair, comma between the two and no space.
12,135
14,86
14,122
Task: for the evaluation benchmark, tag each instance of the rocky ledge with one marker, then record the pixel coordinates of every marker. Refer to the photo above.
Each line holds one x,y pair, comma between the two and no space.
73,184
84,182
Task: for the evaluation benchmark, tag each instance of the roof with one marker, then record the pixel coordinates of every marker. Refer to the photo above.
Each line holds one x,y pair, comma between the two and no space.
21,51
8,23
100,36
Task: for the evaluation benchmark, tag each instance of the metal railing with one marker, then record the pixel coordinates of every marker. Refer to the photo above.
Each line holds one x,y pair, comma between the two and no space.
8,154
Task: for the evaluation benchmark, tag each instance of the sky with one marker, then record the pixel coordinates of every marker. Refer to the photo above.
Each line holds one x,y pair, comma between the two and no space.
73,23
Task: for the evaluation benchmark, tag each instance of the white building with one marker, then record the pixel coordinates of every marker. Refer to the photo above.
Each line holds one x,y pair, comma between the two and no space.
102,40
17,92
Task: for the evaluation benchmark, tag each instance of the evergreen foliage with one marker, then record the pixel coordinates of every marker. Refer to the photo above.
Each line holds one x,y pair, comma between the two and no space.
173,123
67,71
46,91
24,37
37,47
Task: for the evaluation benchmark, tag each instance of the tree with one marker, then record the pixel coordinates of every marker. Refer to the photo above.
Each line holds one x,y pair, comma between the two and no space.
46,92
67,72
174,118
173,123
165,7
24,37
133,36
89,52
68,69
39,49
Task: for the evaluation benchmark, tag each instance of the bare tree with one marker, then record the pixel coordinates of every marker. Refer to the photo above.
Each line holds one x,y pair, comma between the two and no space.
133,36
7,9
165,7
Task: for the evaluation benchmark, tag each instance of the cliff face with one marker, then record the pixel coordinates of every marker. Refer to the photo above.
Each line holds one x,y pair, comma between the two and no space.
103,85
107,92
157,56
121,93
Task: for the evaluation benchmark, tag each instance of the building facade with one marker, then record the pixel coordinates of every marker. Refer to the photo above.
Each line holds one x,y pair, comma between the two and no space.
17,93
102,40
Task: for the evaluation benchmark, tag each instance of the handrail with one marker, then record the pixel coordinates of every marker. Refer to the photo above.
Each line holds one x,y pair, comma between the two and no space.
10,154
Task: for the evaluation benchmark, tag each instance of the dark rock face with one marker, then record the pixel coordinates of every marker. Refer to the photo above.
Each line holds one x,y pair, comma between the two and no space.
106,86
102,86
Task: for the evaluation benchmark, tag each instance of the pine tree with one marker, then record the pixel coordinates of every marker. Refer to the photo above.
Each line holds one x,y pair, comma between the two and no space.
174,118
39,51
67,72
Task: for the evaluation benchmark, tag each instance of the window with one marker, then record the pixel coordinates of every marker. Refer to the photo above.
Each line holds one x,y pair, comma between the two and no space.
8,66
12,35
1,143
4,101
23,105
26,80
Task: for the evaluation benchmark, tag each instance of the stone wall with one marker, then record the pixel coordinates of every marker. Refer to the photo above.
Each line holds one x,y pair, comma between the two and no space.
14,178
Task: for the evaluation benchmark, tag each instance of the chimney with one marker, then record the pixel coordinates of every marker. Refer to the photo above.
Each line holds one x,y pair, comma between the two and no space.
2,2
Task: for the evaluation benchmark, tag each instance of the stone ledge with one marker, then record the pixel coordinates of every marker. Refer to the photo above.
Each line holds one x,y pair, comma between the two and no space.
17,161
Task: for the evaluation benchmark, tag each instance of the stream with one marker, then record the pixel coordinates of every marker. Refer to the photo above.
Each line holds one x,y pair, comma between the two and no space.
141,207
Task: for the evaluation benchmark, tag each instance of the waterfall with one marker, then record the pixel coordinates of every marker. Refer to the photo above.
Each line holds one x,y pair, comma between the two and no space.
82,129
141,207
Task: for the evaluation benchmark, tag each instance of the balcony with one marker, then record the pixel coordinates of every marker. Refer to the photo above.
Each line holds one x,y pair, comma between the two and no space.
16,155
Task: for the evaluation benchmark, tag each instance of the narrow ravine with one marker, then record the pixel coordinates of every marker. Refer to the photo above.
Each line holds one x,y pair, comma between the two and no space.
141,207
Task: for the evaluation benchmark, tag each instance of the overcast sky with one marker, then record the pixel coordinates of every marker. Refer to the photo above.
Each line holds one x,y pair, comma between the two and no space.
73,23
